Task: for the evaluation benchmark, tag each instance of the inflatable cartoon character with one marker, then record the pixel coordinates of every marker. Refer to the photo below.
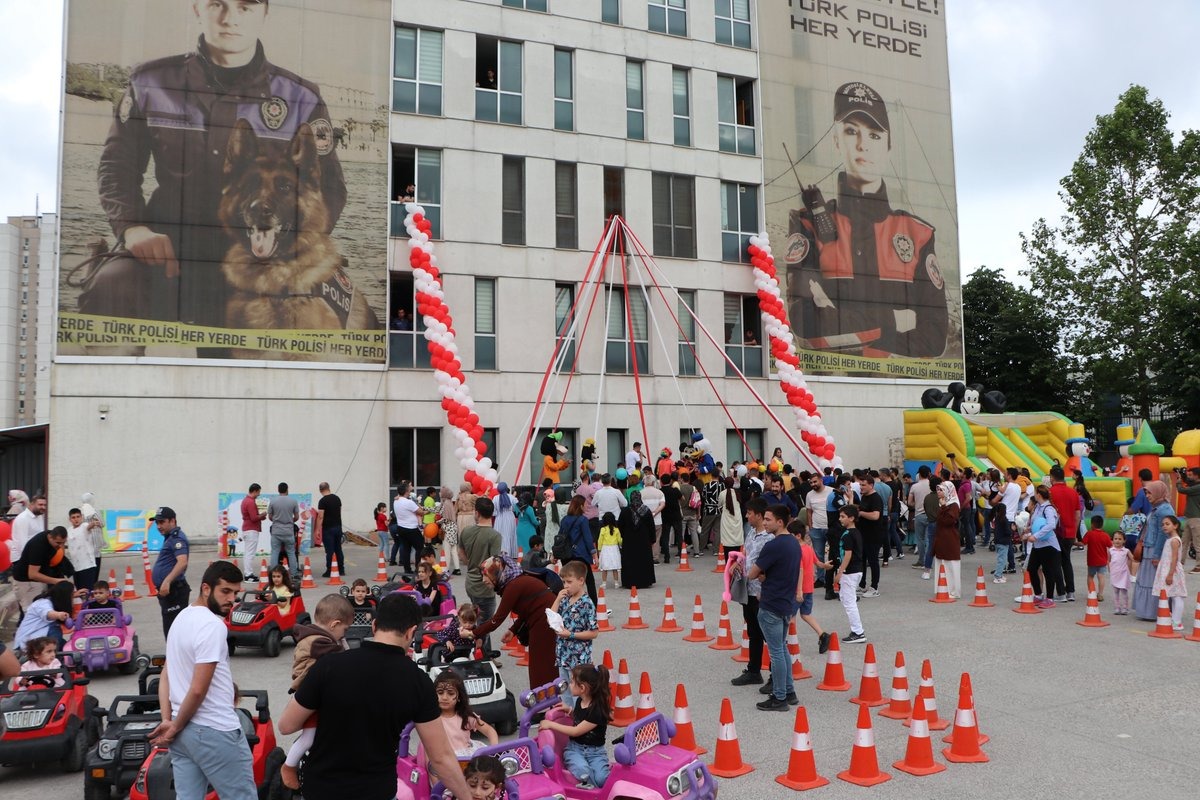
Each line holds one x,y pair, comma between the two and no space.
1078,450
970,404
952,399
1125,462
552,456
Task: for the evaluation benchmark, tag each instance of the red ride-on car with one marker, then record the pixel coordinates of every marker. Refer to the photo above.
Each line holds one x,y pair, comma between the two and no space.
48,719
156,780
257,621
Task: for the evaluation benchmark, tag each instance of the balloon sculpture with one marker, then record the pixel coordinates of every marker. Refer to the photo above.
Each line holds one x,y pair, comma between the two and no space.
443,353
787,362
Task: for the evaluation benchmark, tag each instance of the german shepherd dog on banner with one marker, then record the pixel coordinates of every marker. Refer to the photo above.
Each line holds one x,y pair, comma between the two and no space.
284,271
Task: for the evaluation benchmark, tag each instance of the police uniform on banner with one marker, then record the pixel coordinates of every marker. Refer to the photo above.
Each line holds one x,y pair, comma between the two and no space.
181,111
175,545
863,278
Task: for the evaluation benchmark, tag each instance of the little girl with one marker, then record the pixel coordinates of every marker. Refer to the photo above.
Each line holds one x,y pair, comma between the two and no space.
485,776
280,583
585,756
609,545
453,636
427,586
41,653
360,596
1169,574
456,715
1120,565
381,527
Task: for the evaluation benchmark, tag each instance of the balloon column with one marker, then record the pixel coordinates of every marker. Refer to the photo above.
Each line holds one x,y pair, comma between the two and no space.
457,402
787,362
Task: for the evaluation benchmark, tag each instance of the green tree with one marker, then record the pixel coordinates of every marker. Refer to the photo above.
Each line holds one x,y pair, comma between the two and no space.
1109,267
1012,343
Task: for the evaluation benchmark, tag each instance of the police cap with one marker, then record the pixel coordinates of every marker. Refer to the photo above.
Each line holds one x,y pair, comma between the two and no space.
858,98
163,513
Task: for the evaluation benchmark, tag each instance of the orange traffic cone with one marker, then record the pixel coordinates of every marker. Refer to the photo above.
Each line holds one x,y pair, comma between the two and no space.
602,623
669,623
925,692
698,634
835,676
263,580
724,631
870,693
146,571
645,702
1026,606
943,587
607,661
799,673
1091,615
964,685
514,644
964,748
381,575
685,734
864,763
306,580
634,622
623,712
684,566
743,656
727,762
335,577
1162,627
130,591
802,769
899,707
918,756
113,585
442,562
719,567
981,598
1194,636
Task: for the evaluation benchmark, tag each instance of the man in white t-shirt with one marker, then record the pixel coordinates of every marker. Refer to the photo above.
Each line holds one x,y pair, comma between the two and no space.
196,694
633,459
25,526
608,499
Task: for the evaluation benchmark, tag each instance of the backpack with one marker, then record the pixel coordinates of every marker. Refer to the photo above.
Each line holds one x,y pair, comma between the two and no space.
547,576
562,548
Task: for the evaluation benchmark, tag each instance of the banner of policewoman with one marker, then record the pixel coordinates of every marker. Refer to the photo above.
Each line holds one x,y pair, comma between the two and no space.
224,180
860,199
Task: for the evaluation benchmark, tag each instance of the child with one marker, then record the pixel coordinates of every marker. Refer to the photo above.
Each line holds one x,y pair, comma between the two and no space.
1169,574
429,556
850,570
454,636
808,577
1097,543
536,557
456,715
485,775
584,756
360,596
279,582
101,596
381,527
41,653
1120,565
609,545
427,586
327,635
574,645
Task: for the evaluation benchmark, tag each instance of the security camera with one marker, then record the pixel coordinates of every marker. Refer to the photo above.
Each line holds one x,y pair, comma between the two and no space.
103,416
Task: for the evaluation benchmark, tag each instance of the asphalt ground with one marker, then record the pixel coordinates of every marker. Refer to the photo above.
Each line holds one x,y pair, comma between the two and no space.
1072,712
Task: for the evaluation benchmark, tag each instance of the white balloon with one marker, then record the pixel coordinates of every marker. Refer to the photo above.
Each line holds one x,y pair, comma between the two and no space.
486,463
492,475
459,453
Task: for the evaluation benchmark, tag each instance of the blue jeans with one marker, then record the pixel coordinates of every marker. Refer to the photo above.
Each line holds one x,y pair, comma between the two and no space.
966,530
332,539
201,756
894,538
284,546
930,530
987,526
1002,559
775,628
818,537
920,525
588,762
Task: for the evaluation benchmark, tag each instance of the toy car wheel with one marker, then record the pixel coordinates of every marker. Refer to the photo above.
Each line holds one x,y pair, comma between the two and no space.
73,760
94,790
271,643
133,664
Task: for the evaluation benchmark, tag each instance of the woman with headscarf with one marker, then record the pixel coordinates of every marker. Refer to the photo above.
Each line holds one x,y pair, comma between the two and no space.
637,548
527,522
732,532
1145,600
528,597
447,514
505,521
947,549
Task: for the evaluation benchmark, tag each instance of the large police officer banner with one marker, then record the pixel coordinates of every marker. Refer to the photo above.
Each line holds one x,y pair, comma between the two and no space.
224,180
859,197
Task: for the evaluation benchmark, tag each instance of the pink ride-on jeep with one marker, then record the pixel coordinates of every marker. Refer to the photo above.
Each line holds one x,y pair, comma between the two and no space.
102,638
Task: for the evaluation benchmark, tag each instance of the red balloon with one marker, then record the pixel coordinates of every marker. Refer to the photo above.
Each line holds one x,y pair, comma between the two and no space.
417,217
473,418
480,449
477,432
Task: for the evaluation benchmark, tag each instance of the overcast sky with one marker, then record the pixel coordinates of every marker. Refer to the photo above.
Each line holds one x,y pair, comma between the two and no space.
1028,78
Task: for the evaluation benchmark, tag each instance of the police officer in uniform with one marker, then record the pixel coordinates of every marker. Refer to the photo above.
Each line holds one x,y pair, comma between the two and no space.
181,111
170,570
863,278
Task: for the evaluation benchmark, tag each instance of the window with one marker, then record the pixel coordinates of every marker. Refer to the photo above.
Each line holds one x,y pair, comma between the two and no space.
736,451
564,304
498,81
529,5
735,115
687,333
617,357
406,340
681,107
742,337
416,456
610,11
669,16
491,438
566,213
614,192
635,109
615,442
733,22
739,220
674,215
485,323
564,90
569,438
416,176
513,200
417,71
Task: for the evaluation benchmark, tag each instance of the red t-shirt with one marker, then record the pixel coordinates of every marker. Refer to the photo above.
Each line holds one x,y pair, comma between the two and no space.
1066,503
808,560
1097,542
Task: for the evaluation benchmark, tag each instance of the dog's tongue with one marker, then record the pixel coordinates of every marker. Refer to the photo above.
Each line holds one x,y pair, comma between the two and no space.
262,242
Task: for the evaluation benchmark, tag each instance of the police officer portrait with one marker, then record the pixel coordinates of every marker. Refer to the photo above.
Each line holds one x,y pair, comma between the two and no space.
863,275
223,186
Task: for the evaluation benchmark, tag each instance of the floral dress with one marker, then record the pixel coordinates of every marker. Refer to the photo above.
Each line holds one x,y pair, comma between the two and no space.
578,615
447,515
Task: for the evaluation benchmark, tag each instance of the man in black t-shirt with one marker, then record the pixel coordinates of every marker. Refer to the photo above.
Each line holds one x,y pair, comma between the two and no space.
44,561
365,698
329,523
872,522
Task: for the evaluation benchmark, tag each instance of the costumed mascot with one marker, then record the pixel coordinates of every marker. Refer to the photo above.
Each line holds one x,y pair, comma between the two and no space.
552,456
664,466
701,455
587,457
1078,450
1124,439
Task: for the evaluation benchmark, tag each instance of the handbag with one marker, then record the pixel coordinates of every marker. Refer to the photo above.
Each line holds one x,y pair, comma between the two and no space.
739,589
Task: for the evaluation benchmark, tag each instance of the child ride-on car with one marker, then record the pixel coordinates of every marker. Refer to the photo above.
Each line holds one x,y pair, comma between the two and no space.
489,697
114,761
49,719
102,638
257,621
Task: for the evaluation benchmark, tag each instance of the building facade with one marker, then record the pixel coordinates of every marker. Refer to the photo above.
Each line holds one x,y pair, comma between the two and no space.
27,277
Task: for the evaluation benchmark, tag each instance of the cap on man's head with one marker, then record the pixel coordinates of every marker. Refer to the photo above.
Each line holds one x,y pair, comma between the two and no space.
858,98
163,512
